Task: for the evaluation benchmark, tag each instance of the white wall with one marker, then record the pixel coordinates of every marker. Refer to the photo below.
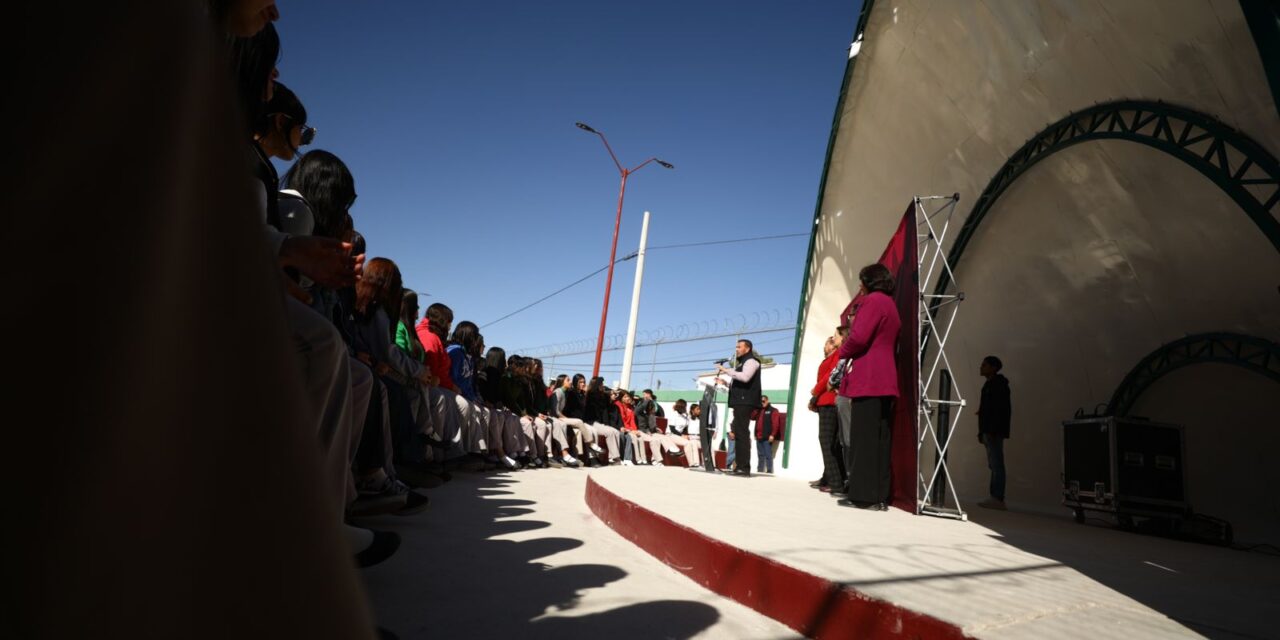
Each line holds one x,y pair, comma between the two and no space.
1094,257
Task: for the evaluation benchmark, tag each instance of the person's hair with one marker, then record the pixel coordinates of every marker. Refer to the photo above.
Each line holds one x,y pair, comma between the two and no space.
408,307
358,244
596,385
439,317
695,406
467,336
994,362
496,357
876,277
763,398
648,391
381,284
560,380
750,347
326,183
286,103
578,377
679,406
252,61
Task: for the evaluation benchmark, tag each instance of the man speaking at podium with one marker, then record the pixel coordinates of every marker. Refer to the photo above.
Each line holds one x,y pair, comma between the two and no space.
744,397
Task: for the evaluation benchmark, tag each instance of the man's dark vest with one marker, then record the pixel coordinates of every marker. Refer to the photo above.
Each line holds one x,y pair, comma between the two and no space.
745,394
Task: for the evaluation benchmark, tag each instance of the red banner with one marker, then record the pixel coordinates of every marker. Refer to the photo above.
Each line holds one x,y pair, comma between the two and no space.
901,258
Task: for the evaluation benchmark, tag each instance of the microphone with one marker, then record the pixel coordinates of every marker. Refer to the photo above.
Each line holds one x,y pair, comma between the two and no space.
722,361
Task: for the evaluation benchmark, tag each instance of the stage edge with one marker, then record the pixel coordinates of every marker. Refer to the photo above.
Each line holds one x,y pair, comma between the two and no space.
814,606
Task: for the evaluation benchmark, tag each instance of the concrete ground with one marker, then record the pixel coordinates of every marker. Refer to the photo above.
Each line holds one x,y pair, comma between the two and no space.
1002,575
520,555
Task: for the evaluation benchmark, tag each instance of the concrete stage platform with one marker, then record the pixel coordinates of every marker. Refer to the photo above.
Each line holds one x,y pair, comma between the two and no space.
826,571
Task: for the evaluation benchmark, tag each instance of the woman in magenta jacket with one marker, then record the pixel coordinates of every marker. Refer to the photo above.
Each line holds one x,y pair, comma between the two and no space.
868,390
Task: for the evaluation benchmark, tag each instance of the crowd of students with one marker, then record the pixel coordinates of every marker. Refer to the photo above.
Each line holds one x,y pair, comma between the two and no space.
402,400
252,386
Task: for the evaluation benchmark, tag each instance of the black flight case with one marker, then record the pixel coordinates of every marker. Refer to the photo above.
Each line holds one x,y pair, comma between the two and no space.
1126,467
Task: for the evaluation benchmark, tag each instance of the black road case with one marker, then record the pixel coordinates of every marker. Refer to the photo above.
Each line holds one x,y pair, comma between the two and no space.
1124,466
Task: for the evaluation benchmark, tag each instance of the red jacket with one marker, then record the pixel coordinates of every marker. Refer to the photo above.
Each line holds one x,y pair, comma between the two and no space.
826,397
628,416
437,358
872,344
777,423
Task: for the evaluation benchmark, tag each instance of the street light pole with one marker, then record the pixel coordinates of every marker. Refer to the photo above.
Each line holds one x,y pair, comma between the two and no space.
617,224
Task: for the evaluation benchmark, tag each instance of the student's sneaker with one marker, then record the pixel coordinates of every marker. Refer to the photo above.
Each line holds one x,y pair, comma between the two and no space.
992,503
613,462
570,461
657,463
553,463
509,464
595,448
627,463
671,448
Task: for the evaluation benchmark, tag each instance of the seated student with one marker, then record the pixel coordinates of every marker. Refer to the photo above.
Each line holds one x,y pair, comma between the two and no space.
637,440
411,464
465,347
283,129
557,428
647,413
584,434
678,432
504,425
446,405
518,397
594,403
399,415
379,294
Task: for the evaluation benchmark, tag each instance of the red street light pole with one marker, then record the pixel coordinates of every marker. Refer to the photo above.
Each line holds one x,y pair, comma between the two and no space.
617,223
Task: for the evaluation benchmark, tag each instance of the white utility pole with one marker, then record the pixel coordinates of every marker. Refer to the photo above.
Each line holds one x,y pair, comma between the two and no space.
630,350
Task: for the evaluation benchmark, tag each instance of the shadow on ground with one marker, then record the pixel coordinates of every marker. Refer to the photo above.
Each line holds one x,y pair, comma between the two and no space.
454,578
1214,591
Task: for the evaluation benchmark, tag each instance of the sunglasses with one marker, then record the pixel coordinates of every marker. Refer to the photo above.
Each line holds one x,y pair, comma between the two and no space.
308,133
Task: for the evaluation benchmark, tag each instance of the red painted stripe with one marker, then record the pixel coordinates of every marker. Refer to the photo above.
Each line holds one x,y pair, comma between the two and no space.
814,606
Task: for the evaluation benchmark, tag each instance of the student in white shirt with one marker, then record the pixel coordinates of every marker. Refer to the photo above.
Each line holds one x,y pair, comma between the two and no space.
683,432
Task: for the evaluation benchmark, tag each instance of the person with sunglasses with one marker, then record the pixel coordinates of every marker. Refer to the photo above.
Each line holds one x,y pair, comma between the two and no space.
284,127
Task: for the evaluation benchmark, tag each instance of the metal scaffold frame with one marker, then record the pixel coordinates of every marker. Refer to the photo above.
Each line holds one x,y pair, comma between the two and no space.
938,412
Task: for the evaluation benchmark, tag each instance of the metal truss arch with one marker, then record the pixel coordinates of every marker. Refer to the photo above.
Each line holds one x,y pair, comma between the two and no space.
1255,354
1242,168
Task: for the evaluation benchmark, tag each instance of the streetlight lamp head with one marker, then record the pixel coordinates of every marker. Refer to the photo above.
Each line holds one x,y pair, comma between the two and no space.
665,164
585,127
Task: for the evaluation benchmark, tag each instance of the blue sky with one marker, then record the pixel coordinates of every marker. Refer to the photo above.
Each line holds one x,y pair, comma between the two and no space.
457,121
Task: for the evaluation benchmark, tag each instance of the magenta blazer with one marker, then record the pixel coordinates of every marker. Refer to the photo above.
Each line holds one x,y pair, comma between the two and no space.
872,344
